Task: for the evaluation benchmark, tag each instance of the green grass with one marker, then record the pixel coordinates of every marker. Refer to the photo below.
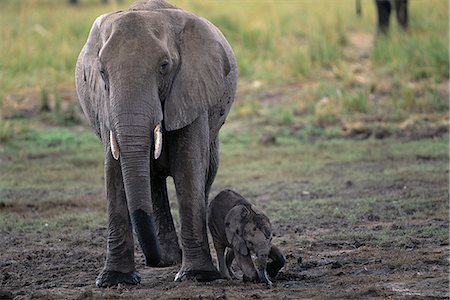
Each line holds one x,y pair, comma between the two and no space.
355,101
68,156
60,170
280,41
417,55
10,129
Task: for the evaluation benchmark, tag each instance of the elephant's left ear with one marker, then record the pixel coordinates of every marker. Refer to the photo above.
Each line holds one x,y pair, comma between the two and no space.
200,81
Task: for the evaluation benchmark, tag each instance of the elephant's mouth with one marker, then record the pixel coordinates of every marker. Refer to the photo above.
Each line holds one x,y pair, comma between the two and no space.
157,136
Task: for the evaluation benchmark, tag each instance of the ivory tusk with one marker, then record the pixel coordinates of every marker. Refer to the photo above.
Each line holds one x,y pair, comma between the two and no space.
157,135
114,146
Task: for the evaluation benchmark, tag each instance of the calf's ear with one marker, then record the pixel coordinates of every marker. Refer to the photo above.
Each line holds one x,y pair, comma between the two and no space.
233,229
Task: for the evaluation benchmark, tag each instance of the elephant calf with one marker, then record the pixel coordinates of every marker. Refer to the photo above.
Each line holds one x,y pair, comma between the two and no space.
238,225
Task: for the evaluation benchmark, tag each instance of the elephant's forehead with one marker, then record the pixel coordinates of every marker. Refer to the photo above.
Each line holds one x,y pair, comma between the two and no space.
128,33
136,24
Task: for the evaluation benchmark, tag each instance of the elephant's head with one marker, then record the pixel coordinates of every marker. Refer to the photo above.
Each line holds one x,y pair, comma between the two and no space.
144,72
250,233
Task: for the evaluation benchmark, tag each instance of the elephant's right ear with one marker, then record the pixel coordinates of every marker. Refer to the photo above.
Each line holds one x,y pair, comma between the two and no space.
233,229
200,80
91,88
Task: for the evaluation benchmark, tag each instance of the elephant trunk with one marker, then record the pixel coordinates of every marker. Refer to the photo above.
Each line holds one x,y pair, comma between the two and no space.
134,136
157,137
261,265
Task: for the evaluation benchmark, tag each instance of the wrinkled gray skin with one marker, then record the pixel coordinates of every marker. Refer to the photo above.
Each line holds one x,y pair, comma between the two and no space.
237,225
155,63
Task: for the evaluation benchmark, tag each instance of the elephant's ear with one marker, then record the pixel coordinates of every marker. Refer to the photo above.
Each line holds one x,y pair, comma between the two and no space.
199,82
234,229
91,88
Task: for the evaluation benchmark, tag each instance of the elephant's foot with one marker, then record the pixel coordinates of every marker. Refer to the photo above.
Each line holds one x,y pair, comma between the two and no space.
111,278
200,276
197,265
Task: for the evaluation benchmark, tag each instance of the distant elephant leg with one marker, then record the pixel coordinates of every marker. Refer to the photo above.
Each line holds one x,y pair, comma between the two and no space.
401,9
358,8
383,12
189,159
119,266
170,250
277,262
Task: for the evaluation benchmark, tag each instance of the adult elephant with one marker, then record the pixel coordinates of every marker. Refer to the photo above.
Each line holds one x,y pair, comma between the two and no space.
156,84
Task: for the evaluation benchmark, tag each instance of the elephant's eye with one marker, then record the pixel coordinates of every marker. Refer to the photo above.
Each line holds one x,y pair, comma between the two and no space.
164,66
103,74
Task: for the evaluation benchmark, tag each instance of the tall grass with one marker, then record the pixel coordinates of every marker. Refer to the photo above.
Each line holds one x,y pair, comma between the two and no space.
274,41
414,56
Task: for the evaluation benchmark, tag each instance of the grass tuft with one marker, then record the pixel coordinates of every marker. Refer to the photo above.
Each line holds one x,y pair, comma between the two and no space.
10,129
355,101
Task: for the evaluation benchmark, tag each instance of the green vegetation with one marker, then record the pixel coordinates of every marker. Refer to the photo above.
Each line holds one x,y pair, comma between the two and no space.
49,174
77,154
10,129
275,42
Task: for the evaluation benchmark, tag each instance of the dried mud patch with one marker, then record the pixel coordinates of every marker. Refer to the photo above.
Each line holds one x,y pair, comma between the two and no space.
29,201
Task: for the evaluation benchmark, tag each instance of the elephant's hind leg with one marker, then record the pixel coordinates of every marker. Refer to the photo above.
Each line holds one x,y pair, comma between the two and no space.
170,250
213,166
119,266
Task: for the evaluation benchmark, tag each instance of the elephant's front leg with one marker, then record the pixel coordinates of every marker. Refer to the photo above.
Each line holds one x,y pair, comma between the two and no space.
248,268
220,250
229,257
119,266
189,160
